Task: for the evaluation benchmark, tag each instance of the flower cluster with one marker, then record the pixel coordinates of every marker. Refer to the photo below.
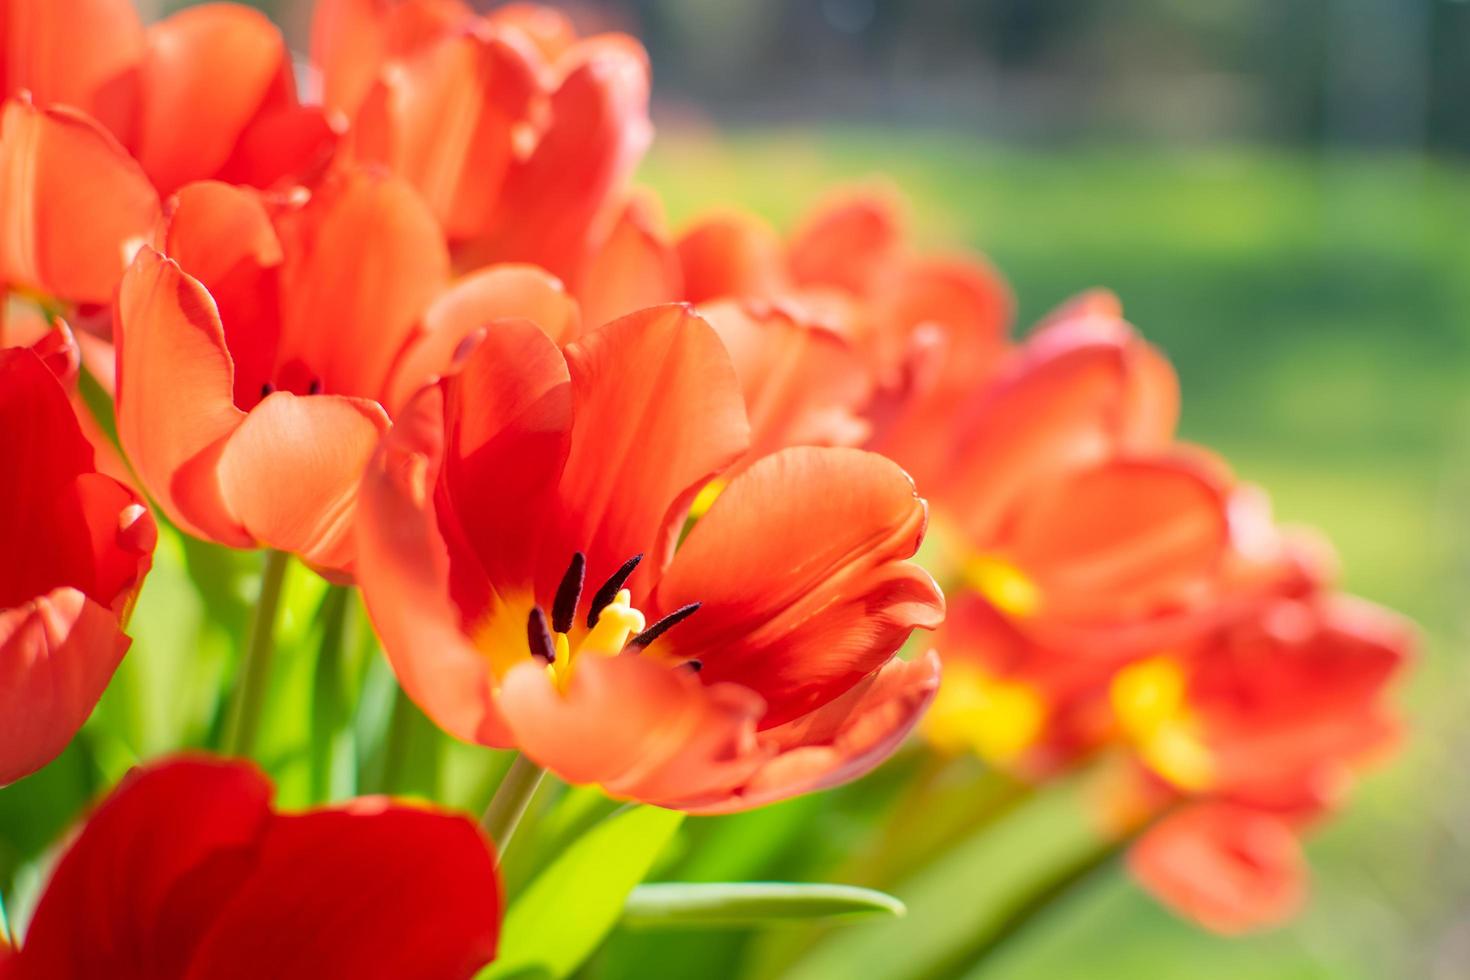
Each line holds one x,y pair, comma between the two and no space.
639,505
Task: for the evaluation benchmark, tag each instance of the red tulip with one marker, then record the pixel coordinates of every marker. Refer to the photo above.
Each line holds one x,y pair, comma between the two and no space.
280,324
517,552
80,544
207,92
926,330
101,117
186,872
520,135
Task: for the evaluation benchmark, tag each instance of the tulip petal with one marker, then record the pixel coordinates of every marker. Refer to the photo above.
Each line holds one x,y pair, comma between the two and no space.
803,385
207,73
657,412
1124,538
57,654
800,567
76,204
43,452
497,292
351,39
285,142
848,241
735,256
633,269
559,201
291,471
80,53
154,864
223,236
1230,869
507,436
1051,411
448,119
638,728
404,570
844,739
174,400
363,260
390,891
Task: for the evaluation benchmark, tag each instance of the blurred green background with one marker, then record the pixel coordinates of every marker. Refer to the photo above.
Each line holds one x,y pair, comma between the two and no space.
1273,188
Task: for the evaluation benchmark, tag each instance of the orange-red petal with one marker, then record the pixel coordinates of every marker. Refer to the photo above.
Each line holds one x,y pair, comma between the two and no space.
635,727
450,119
175,404
223,237
207,73
1125,538
803,384
1230,869
634,268
404,571
57,654
734,256
840,741
497,292
364,258
76,205
80,53
291,471
800,566
657,413
849,241
562,199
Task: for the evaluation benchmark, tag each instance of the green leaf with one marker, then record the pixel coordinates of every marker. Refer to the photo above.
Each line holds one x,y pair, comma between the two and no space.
567,910
751,903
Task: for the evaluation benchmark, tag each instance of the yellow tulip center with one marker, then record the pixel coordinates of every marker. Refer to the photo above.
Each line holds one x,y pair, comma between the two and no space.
975,711
1150,703
1003,584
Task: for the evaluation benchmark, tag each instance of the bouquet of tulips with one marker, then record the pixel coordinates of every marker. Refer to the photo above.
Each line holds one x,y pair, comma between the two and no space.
487,544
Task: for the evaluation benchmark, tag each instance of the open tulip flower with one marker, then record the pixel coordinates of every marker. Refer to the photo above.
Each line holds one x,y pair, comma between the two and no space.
1078,535
517,554
78,544
103,116
186,873
519,134
280,321
1262,726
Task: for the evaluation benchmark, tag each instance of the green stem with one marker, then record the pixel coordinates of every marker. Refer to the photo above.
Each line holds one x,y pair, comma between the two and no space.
396,742
1034,905
509,803
242,723
330,711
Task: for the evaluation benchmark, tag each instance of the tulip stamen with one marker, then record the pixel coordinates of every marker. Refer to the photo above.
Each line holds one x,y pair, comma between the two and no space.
695,665
664,625
568,594
314,387
609,590
266,390
538,636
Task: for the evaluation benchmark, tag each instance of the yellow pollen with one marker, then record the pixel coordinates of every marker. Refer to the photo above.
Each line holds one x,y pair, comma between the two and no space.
1149,702
1003,585
978,712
